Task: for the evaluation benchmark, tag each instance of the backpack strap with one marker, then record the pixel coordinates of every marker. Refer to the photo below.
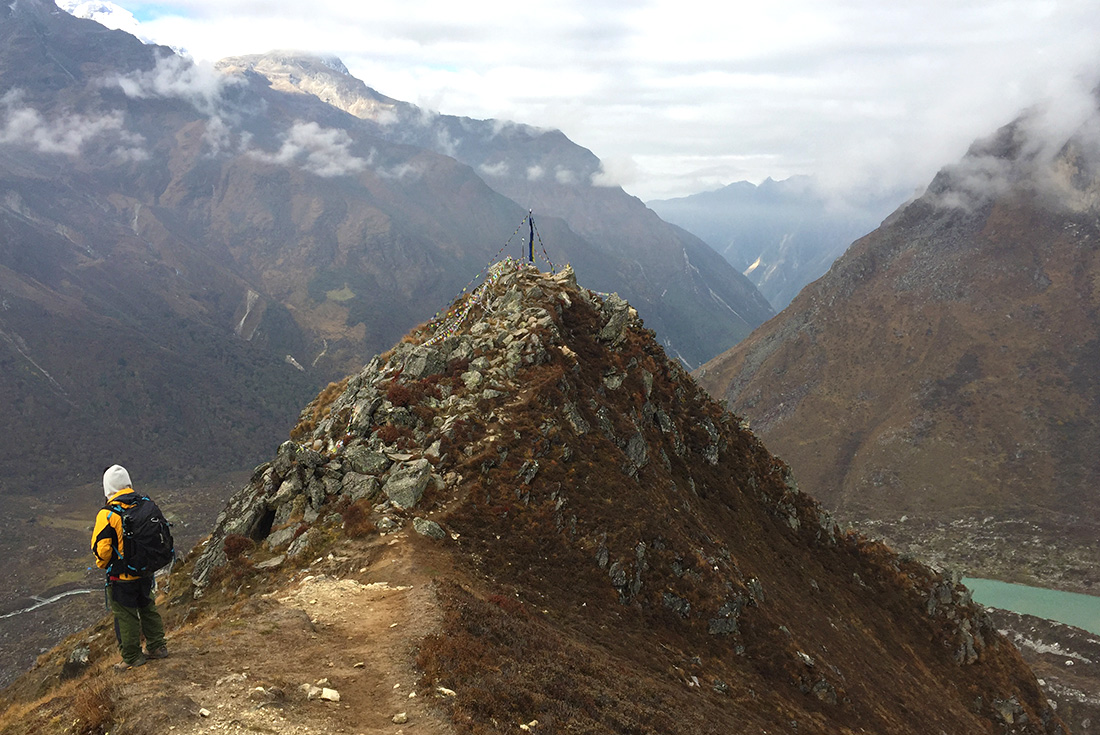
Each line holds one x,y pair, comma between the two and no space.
115,506
128,499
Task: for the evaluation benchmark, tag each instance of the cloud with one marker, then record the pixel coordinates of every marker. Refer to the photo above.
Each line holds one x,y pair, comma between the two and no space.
535,173
858,93
564,176
616,172
321,151
446,144
972,182
106,14
68,133
200,85
496,170
1052,149
399,171
218,137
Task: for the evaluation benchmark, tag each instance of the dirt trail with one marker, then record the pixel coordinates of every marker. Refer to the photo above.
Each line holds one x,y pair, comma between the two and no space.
351,622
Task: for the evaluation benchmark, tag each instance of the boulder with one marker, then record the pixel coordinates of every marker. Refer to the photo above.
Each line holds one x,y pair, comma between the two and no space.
366,462
282,536
423,361
617,313
405,486
357,486
431,529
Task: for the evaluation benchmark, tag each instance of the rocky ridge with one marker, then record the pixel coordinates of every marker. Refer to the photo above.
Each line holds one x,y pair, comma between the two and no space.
585,483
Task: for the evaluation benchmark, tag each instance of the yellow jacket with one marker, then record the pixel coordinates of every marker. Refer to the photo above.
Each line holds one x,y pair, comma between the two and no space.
107,536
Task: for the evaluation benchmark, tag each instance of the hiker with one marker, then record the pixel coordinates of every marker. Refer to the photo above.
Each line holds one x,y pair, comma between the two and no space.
130,595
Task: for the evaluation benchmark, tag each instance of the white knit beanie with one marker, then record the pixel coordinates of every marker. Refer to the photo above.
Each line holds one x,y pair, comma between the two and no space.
114,479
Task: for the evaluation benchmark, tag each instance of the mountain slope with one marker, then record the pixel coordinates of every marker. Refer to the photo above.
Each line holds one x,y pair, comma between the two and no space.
695,302
609,552
946,364
187,256
781,234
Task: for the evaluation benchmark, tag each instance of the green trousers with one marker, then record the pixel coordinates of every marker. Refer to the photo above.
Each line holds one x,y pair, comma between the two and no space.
135,615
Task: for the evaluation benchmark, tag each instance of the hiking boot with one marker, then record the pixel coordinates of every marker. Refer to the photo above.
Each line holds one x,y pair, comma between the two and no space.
161,652
127,665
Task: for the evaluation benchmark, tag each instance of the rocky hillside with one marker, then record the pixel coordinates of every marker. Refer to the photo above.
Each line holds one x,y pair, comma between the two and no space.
945,367
187,256
526,516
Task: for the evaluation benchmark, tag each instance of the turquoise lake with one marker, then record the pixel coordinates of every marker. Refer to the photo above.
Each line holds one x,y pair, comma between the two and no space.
1082,611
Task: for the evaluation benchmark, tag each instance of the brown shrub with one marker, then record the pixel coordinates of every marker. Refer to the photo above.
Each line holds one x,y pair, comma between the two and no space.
235,544
456,367
424,413
357,522
400,395
390,434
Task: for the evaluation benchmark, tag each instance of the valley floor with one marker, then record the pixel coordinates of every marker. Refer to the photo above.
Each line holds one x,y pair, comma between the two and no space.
1040,551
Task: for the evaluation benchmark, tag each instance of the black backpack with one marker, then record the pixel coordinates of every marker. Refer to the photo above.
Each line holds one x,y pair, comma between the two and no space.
146,537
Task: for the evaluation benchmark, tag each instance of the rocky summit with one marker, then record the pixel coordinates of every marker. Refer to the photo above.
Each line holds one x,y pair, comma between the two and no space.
524,516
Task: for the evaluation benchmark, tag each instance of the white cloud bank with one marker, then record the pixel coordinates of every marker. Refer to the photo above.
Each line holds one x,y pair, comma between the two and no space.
685,95
200,85
1053,148
68,134
321,151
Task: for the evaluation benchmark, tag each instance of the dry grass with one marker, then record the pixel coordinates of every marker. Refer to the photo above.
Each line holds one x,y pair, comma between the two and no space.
88,705
317,409
95,705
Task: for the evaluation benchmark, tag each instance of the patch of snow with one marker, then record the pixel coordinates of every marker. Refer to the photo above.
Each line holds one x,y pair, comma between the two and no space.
722,301
107,14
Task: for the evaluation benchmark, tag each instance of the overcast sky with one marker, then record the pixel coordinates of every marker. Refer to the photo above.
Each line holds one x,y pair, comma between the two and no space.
681,96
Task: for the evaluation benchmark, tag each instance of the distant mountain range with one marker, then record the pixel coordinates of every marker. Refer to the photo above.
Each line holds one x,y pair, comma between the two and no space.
674,279
949,363
780,234
188,255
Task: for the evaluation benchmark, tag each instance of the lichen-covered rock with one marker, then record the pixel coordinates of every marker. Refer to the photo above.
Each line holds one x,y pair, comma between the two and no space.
365,461
285,458
423,361
429,528
406,485
358,487
282,536
617,313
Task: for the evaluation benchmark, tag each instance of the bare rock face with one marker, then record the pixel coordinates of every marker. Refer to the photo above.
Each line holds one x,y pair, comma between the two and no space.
616,519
